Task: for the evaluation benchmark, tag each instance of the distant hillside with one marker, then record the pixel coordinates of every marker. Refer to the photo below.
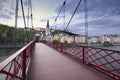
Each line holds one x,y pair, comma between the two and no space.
7,33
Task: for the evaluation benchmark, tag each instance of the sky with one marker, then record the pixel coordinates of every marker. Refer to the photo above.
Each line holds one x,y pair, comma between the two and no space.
103,15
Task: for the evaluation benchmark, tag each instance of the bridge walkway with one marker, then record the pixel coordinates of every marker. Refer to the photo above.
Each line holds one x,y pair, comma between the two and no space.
49,64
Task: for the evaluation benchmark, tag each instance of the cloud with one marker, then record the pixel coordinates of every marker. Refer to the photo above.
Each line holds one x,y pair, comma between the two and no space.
12,8
43,20
25,2
11,13
94,30
5,16
6,9
105,22
20,16
96,8
1,7
103,15
104,7
97,26
1,1
70,6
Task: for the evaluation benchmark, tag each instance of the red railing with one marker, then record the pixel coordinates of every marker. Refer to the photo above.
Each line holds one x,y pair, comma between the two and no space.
15,67
103,60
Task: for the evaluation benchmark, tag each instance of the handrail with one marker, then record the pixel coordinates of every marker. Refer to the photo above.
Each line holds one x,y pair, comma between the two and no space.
105,61
17,63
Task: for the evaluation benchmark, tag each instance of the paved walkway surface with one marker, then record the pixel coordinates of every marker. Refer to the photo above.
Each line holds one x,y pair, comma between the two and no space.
49,64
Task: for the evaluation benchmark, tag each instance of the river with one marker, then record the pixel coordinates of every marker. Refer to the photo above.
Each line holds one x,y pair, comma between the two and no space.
113,48
4,53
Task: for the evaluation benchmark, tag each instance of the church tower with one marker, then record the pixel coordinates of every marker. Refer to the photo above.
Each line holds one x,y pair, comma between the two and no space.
47,24
47,28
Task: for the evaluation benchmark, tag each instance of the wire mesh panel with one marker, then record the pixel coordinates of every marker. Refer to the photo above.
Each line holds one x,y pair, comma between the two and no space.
104,60
15,66
107,61
73,50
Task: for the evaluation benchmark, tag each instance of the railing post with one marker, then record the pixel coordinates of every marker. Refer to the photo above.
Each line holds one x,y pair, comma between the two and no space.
56,45
53,44
61,46
48,43
30,49
83,50
24,65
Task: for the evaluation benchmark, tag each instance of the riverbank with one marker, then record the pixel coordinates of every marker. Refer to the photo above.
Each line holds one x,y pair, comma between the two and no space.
5,53
10,46
104,45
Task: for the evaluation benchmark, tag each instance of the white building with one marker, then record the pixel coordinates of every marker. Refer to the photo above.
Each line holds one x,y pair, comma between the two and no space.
106,38
77,39
116,39
70,39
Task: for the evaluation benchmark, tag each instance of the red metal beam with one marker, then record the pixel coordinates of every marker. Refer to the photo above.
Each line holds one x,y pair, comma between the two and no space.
11,74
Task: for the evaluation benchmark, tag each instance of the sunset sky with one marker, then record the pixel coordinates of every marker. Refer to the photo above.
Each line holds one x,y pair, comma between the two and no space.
103,15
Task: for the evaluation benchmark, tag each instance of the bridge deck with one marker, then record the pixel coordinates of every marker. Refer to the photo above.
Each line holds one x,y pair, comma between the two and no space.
49,64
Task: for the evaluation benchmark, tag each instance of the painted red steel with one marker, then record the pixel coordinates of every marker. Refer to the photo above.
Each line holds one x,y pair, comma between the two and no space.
15,67
49,64
103,60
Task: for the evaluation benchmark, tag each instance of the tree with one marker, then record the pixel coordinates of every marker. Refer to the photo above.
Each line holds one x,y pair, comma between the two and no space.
7,33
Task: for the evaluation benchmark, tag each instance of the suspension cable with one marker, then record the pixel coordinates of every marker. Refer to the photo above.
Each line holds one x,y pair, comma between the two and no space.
31,14
59,12
24,17
64,15
16,21
73,15
28,14
86,21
